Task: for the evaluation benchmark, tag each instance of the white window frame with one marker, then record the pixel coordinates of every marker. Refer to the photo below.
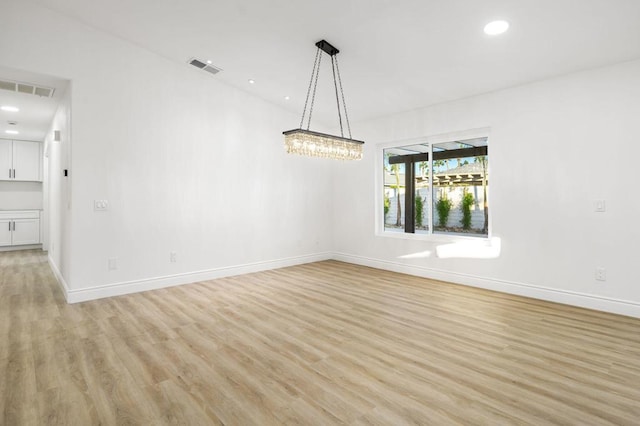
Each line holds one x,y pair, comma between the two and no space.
379,184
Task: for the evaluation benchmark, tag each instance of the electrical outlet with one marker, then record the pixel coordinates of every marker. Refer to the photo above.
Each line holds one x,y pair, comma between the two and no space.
601,274
100,205
600,206
173,257
113,263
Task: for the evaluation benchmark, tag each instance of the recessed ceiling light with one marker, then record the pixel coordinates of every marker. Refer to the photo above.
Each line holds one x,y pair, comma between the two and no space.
9,108
286,98
251,81
209,62
496,27
11,132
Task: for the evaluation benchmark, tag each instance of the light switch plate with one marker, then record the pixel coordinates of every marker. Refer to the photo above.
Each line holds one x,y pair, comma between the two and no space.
100,205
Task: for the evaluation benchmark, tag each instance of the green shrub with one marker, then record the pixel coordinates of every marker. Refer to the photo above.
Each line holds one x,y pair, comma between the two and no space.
443,206
467,202
419,209
387,206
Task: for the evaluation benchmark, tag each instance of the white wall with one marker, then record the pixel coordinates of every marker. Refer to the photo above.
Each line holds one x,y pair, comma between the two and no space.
187,164
555,147
20,195
57,214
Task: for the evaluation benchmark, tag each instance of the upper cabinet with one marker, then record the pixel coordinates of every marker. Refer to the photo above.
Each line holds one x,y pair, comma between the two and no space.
6,159
20,160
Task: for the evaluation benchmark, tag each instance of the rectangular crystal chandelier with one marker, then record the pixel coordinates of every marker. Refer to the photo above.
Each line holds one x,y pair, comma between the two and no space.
316,144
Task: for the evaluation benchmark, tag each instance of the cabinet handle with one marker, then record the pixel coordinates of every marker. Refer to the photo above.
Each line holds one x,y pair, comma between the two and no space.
9,225
9,173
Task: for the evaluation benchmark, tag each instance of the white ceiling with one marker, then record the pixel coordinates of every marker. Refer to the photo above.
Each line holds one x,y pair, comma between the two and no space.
396,55
36,112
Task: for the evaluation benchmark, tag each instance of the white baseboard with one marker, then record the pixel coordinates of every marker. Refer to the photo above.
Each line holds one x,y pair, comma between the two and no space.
25,247
583,300
118,289
59,277
599,303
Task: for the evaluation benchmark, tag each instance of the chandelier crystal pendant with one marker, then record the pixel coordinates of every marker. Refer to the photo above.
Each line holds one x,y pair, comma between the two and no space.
316,144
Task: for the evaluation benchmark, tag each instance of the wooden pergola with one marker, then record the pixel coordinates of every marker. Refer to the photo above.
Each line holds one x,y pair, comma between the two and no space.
465,175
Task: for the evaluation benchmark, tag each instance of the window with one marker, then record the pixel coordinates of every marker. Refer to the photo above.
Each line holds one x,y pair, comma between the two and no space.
437,187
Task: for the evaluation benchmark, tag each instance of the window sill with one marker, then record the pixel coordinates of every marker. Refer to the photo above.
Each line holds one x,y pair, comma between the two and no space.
455,246
436,237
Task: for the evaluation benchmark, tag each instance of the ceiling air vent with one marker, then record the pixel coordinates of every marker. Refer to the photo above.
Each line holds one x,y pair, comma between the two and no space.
203,65
28,88
8,85
43,91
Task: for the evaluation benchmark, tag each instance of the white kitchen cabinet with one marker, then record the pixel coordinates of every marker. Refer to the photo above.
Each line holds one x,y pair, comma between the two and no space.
5,232
6,159
19,227
20,160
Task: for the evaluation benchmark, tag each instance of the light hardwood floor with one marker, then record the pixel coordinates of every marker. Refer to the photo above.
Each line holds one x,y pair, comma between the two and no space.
324,343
